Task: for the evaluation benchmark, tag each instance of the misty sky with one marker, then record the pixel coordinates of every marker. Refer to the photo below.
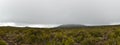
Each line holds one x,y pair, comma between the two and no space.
60,11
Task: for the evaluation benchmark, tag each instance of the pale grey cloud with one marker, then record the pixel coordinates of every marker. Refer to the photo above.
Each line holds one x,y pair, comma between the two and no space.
60,11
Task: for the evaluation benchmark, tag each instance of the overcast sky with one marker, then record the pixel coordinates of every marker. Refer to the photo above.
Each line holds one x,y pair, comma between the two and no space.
60,11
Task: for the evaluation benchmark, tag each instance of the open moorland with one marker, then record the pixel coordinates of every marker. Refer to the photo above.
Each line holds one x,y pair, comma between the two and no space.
93,35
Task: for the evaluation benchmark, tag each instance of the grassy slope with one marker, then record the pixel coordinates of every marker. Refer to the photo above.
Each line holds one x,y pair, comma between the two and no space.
97,35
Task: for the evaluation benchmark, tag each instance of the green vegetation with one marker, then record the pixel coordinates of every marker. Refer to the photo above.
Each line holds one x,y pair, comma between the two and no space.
97,35
2,42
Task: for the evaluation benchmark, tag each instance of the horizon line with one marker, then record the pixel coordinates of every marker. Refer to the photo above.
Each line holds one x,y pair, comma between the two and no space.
48,25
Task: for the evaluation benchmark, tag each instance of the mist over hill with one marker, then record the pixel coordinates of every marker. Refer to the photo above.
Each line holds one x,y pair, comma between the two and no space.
71,26
12,24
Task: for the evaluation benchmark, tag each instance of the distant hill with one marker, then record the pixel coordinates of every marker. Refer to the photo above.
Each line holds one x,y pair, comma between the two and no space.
70,26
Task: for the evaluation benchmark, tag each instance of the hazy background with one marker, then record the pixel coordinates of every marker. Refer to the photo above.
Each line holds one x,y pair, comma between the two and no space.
60,11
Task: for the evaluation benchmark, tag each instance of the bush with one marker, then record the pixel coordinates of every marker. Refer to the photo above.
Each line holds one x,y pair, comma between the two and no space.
2,42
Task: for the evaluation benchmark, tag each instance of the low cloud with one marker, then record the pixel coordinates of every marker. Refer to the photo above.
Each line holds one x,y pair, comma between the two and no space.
28,25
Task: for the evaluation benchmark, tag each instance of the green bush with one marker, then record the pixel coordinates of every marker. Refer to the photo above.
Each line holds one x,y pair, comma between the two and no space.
2,42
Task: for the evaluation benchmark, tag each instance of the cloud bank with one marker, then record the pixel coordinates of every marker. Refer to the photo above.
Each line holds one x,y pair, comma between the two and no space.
29,25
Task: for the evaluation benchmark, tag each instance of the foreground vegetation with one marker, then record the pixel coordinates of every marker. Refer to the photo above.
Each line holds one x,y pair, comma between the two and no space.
97,35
